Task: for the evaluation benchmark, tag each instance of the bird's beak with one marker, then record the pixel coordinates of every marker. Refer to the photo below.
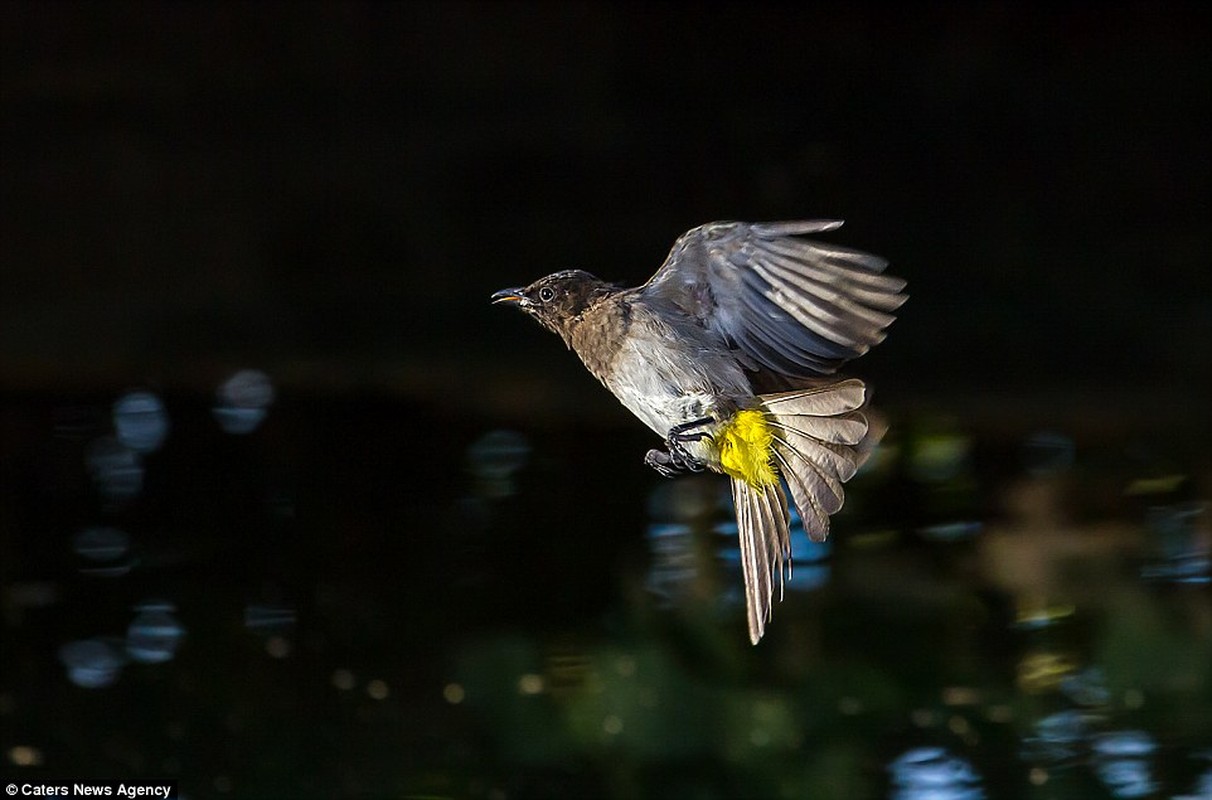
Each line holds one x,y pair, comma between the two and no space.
509,296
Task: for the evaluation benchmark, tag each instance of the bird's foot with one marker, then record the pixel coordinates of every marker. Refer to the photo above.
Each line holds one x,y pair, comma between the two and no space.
685,431
682,434
663,463
678,460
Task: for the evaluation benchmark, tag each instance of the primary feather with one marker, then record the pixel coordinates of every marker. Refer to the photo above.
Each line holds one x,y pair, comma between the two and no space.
795,307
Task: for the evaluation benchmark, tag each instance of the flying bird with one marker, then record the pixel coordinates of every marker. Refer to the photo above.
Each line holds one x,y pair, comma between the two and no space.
730,353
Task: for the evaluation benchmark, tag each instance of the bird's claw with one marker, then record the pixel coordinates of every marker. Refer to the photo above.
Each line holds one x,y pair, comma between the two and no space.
677,459
662,462
681,457
673,463
685,431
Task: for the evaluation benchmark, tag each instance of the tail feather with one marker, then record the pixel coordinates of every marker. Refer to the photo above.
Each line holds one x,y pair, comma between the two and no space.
842,460
794,454
764,527
819,401
820,437
812,514
823,414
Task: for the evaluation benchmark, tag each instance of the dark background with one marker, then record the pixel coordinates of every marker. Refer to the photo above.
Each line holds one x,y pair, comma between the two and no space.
330,192
333,189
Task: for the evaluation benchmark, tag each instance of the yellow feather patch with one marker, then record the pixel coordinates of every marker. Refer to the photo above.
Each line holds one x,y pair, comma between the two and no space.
745,442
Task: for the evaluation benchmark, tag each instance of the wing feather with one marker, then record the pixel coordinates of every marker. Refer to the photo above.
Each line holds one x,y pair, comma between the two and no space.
777,332
799,328
781,273
798,307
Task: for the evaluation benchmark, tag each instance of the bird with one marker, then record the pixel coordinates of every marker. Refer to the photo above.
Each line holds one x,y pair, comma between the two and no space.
730,352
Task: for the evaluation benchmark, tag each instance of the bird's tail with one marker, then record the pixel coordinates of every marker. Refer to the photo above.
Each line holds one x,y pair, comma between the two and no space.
821,438
816,438
764,527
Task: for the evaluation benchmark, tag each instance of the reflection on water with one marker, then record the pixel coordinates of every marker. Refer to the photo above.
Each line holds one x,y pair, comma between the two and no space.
1182,544
674,564
694,553
140,425
242,401
941,455
1087,688
116,468
951,531
807,570
1058,738
683,553
515,615
92,663
155,634
495,458
268,618
104,551
932,773
1048,453
1203,785
1122,761
141,421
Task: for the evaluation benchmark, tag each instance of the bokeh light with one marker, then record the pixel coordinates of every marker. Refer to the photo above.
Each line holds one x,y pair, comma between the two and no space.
1181,544
933,773
268,618
1123,762
24,755
242,401
495,458
92,663
1048,453
1057,737
141,421
155,633
117,469
104,551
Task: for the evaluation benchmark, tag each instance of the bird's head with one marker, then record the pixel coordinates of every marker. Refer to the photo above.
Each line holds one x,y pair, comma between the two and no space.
559,300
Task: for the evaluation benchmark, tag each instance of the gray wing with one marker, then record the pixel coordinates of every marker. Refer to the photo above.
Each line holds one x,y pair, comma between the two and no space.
794,306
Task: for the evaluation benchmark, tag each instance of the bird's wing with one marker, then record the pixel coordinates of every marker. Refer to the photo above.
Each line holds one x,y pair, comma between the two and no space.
796,307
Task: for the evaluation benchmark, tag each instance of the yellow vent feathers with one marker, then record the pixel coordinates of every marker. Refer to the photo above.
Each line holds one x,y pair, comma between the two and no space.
745,448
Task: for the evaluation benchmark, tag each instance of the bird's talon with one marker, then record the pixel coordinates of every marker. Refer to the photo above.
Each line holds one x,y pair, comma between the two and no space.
662,463
685,431
673,463
681,458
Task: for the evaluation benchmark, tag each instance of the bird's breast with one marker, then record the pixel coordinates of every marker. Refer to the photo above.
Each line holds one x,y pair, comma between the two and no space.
667,376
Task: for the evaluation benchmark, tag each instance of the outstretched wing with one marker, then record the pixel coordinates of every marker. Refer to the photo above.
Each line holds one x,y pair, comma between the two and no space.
795,307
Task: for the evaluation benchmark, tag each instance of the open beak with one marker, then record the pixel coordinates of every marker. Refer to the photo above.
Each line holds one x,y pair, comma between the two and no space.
509,296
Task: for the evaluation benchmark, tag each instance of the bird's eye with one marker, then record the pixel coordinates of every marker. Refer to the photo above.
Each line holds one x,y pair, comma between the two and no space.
546,294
